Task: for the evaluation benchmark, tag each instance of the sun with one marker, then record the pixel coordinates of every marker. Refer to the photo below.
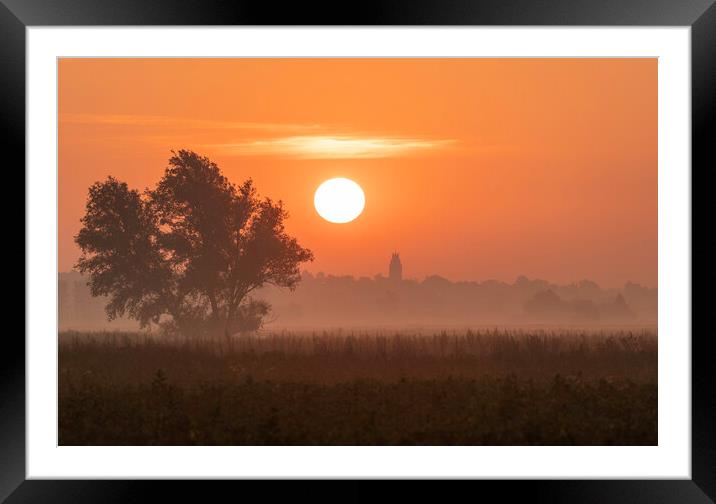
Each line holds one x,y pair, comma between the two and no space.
339,200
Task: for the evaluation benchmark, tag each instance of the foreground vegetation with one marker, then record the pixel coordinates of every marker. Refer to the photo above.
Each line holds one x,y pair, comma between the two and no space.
339,388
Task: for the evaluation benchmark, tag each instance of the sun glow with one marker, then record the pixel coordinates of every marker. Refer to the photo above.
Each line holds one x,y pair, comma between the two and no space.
339,200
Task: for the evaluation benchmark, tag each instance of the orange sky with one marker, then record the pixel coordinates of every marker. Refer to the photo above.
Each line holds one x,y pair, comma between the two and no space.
473,169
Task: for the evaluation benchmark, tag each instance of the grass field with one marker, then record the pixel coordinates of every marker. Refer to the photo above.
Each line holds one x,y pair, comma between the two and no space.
500,387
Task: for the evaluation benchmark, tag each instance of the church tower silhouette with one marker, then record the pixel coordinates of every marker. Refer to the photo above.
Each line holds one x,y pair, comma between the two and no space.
395,269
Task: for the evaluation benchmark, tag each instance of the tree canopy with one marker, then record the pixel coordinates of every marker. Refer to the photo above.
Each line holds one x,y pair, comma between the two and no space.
193,248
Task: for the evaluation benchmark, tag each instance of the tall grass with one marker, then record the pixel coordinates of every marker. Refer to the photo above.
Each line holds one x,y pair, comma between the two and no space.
342,387
340,356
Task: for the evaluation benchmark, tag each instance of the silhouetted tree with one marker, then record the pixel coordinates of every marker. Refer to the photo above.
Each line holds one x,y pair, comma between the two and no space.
546,305
618,310
193,248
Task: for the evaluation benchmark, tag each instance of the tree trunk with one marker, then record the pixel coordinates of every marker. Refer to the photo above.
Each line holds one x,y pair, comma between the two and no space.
216,325
227,333
229,317
214,306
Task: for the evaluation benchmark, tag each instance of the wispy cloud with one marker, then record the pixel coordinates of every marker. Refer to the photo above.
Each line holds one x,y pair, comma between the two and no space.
333,147
180,122
287,140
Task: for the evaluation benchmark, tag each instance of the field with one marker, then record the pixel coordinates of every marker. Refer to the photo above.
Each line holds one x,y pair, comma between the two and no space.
484,387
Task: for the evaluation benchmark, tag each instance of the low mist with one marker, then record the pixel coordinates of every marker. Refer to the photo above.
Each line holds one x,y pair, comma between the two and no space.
326,301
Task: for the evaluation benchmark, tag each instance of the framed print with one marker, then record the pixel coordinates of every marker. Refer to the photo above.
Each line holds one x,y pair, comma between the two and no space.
418,243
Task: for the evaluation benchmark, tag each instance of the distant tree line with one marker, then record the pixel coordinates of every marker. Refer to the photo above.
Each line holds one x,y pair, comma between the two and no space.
347,300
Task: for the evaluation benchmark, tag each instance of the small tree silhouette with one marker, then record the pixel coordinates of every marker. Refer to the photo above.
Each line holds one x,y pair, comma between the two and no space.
193,248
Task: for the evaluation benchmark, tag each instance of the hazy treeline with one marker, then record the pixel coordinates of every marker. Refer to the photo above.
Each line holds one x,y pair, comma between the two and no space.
345,301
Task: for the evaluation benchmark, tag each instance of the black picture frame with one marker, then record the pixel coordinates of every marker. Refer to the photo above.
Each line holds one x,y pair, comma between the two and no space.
700,15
